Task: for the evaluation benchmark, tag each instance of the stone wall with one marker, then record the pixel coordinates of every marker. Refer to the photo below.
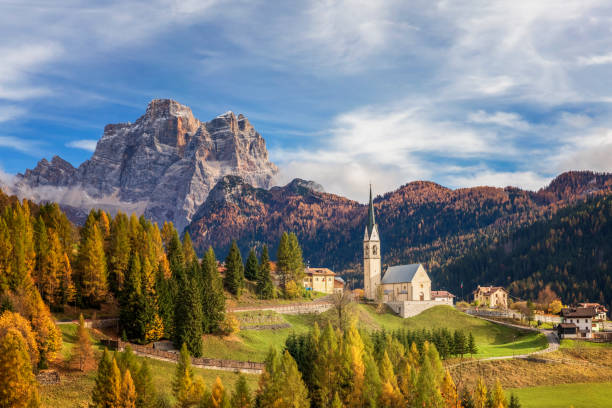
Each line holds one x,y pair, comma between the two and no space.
293,308
48,377
409,308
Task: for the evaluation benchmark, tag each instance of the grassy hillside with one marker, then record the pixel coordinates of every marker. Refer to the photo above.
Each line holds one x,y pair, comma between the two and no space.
492,339
589,395
75,388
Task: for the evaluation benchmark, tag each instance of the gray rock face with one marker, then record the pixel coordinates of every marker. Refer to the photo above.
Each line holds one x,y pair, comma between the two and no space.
163,165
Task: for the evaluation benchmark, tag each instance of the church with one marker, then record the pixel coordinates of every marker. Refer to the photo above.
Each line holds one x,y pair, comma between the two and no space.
405,288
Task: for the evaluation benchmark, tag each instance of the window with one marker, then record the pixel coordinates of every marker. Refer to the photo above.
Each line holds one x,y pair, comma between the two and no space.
374,250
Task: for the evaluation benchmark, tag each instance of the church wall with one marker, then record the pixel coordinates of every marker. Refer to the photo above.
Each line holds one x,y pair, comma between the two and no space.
412,308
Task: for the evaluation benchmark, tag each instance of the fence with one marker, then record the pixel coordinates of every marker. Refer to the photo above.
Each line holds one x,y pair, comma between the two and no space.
212,363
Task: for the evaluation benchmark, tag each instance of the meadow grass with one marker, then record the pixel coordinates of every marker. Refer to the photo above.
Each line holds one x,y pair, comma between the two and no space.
570,343
585,395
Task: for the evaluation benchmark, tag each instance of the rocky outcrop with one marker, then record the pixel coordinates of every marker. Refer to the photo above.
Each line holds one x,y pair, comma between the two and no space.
163,165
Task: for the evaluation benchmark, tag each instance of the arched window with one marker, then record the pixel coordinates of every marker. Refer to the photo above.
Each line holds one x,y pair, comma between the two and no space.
375,250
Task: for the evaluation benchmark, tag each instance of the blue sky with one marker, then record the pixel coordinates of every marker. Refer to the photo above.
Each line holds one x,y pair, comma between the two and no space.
344,92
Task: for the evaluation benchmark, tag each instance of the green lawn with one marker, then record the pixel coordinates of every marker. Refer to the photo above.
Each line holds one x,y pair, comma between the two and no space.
75,389
569,343
492,339
590,395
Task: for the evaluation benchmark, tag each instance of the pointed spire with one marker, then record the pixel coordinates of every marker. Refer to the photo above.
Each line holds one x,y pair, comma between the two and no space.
371,219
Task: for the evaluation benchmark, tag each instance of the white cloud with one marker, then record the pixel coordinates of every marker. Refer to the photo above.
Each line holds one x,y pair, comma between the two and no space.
595,60
485,177
84,144
575,120
9,112
27,146
507,119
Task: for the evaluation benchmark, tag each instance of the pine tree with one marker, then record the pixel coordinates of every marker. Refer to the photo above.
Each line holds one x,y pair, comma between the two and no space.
67,291
297,262
187,390
132,301
128,391
283,257
107,389
459,343
241,396
294,391
480,394
514,401
471,345
82,353
449,391
92,265
499,397
251,269
145,389
390,395
428,393
6,255
217,394
188,318
174,251
234,271
17,382
188,250
265,286
213,297
166,289
354,367
119,252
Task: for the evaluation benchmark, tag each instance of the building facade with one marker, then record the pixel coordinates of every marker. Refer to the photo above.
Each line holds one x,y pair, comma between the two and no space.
319,279
493,296
442,296
371,255
577,322
406,282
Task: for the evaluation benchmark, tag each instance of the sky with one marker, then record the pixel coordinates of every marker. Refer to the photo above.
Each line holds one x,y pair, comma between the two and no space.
462,93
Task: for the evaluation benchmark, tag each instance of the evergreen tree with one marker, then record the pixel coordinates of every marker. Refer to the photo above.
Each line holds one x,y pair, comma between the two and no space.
107,389
166,290
297,262
82,353
283,260
241,397
336,402
128,391
213,297
514,402
234,271
188,250
428,391
187,389
119,252
18,386
145,389
459,347
67,291
251,269
390,395
92,265
265,286
132,303
174,251
471,345
188,317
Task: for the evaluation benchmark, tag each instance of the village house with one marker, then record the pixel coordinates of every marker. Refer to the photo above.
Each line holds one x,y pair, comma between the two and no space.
338,284
576,322
319,279
600,315
492,296
442,296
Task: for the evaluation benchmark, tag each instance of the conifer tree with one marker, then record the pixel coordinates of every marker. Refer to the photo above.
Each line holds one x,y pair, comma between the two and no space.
428,392
6,255
328,356
499,397
128,391
241,396
107,389
119,252
265,286
188,318
251,269
82,356
187,389
145,390
449,391
514,402
283,260
67,291
480,394
18,387
213,297
353,360
294,391
188,250
176,258
459,343
297,262
471,345
234,271
131,302
10,320
166,289
92,264
390,395
336,402
218,396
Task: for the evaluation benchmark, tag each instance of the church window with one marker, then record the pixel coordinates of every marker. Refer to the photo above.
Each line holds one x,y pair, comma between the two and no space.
374,250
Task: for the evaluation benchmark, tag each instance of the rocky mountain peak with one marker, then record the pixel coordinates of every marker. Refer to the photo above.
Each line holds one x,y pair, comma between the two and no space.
163,165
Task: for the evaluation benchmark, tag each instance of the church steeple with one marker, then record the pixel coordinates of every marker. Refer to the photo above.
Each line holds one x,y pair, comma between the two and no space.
371,218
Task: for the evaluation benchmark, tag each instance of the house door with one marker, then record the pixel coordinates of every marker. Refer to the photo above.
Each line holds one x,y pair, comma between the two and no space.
421,297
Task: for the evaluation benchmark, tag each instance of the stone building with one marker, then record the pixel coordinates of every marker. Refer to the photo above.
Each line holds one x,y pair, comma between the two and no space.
577,322
319,279
492,296
406,282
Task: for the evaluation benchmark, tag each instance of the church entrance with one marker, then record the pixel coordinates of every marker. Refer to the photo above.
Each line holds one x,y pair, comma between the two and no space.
421,297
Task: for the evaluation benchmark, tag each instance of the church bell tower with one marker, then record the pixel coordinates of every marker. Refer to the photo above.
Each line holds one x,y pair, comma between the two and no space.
371,254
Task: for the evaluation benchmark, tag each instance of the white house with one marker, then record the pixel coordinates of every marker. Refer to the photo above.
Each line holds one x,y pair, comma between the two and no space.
577,322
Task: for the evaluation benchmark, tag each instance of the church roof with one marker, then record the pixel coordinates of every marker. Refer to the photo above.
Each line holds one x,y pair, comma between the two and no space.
371,218
400,273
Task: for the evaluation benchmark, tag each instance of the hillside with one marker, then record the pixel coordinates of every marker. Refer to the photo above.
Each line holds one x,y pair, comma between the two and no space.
571,251
419,222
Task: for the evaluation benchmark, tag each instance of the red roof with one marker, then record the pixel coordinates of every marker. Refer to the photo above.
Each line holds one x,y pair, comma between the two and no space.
441,293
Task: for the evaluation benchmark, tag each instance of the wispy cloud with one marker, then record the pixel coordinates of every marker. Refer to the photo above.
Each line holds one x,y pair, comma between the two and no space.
84,144
29,147
506,119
